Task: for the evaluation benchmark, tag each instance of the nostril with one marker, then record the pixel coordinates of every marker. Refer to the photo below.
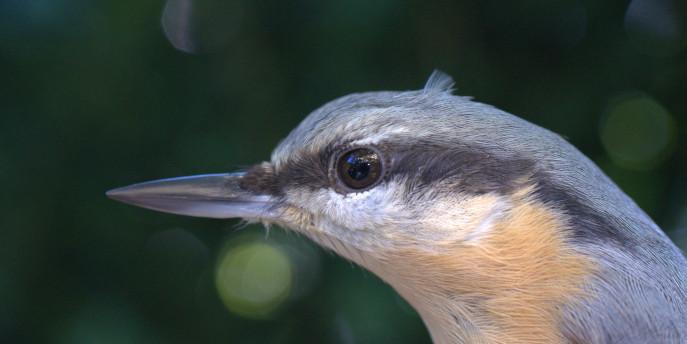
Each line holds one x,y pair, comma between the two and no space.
261,179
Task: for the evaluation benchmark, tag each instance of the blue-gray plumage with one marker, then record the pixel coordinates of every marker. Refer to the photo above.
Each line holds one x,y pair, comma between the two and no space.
494,229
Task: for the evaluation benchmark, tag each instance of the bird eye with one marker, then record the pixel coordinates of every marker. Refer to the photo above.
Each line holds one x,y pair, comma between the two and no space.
359,168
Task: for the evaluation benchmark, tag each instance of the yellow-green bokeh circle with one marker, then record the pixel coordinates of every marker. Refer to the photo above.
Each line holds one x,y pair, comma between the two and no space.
253,279
637,132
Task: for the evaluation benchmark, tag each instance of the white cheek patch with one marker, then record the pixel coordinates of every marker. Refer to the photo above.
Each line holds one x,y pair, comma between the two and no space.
381,216
489,221
363,210
466,219
359,219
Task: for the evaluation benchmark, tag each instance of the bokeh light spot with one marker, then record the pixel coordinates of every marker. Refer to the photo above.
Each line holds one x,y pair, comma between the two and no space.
174,261
637,132
253,278
656,27
201,26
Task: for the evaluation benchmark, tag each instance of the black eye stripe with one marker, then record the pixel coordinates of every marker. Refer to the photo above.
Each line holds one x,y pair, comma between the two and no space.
358,169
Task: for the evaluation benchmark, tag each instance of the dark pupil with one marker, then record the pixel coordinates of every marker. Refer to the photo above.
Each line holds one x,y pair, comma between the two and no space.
359,168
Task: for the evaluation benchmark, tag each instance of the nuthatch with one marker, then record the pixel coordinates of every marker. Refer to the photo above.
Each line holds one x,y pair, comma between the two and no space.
494,229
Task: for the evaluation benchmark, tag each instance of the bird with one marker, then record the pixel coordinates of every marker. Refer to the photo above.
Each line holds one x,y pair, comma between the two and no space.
494,229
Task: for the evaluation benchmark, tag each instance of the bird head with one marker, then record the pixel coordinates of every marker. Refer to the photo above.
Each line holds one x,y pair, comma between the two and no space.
494,229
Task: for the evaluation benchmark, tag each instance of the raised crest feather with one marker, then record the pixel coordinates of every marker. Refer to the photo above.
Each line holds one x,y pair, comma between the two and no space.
439,82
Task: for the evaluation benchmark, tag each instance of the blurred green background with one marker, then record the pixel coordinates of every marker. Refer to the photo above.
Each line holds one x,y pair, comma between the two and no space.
100,94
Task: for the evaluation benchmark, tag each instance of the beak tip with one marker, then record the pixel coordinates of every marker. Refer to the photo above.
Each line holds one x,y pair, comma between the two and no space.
116,194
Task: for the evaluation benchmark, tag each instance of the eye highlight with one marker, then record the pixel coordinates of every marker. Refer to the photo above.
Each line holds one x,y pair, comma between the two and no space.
359,168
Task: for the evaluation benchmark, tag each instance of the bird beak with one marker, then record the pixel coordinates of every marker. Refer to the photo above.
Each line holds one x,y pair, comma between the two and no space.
210,195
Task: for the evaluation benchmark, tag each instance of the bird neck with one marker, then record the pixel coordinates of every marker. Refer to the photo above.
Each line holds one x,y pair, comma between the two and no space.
510,286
